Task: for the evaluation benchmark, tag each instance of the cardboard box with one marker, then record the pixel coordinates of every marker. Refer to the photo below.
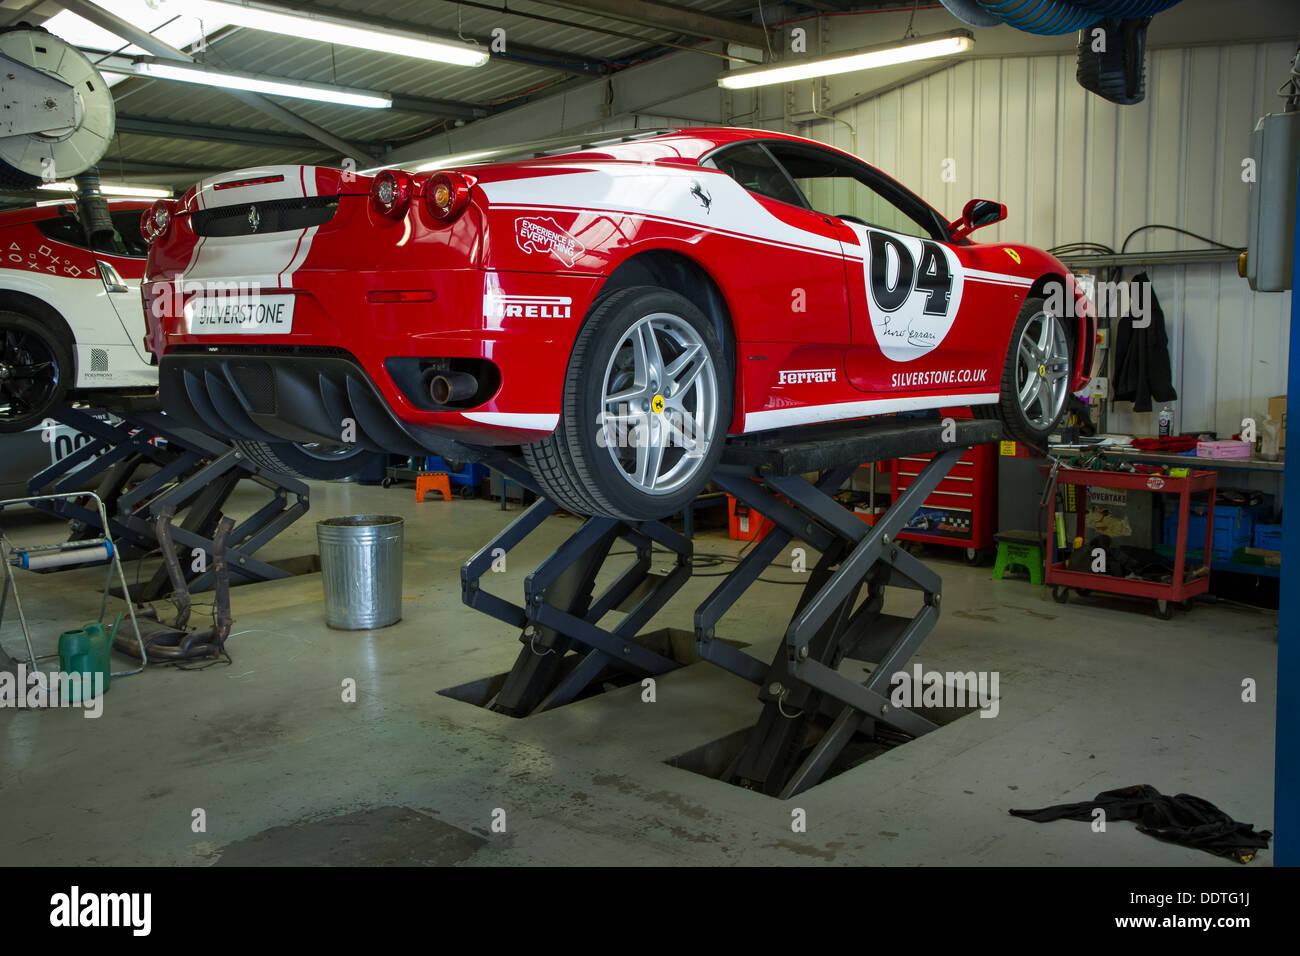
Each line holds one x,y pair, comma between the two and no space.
1277,412
1223,449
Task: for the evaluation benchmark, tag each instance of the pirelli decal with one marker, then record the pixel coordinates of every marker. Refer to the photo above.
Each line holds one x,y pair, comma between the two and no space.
497,306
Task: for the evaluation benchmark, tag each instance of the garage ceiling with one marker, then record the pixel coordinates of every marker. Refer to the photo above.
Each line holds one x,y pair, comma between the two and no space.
172,133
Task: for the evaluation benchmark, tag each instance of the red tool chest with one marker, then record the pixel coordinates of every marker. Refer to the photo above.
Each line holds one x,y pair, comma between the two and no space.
962,511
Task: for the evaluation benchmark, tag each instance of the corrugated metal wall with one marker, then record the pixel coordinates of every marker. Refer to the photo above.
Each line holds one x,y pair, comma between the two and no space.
1071,167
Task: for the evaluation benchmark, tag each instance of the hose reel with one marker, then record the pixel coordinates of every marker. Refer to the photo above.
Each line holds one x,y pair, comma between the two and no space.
58,116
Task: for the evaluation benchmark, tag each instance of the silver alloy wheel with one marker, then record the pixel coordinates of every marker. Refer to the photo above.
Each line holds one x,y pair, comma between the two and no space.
659,403
1042,369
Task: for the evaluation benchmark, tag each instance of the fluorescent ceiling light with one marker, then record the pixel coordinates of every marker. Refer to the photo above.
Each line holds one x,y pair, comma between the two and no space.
113,189
259,83
869,58
326,29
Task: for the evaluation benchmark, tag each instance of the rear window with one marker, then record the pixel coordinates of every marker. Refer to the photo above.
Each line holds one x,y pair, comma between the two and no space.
753,167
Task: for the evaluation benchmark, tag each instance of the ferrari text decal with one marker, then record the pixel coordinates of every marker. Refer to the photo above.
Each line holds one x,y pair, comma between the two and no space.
546,236
800,376
948,376
915,289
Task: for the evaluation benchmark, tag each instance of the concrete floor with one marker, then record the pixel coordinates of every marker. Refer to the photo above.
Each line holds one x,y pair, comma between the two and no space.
1094,695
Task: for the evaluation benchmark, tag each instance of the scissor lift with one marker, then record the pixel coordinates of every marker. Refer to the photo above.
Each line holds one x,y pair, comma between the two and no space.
839,614
143,464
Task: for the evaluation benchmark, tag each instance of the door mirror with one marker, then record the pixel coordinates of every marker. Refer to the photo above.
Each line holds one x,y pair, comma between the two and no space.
977,214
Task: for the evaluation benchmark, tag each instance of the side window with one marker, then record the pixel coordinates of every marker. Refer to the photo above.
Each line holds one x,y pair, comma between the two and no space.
127,222
125,240
838,188
750,165
64,229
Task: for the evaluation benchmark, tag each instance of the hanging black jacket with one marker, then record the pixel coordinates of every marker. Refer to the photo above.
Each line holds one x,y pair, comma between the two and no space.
1142,371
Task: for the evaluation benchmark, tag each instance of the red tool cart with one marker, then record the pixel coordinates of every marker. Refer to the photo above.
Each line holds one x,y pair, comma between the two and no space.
1180,590
962,511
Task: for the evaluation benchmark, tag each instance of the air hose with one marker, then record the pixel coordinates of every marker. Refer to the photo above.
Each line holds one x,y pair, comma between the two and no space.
1053,17
94,208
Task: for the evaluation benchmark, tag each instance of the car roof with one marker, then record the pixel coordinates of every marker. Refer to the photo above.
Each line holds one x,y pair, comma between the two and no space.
13,217
688,143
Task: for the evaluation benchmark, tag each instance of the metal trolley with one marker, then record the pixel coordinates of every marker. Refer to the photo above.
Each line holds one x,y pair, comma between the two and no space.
1185,583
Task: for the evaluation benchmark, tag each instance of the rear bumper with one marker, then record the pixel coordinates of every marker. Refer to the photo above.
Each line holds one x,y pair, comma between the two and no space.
519,351
304,395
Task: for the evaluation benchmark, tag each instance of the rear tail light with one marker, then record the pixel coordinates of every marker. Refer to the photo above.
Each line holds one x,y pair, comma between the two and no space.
156,220
446,195
390,193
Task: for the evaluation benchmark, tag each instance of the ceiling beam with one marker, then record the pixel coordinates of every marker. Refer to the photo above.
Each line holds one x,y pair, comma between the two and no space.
444,109
239,136
674,19
110,167
151,44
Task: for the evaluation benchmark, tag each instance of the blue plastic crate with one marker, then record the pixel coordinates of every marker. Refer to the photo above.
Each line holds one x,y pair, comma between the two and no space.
1231,531
1268,536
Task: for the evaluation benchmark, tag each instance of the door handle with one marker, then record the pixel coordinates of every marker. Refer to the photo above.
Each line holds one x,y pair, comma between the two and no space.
112,281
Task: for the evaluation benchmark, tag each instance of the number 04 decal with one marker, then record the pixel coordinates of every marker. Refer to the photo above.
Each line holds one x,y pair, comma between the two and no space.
915,292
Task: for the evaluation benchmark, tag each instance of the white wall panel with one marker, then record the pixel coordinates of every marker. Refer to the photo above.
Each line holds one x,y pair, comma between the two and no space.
1072,167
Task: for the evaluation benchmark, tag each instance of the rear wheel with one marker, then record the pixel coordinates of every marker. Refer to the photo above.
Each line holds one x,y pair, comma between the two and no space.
311,460
35,371
1035,376
647,401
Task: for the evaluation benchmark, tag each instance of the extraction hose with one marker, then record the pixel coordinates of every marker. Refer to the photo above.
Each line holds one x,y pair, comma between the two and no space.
1052,17
95,218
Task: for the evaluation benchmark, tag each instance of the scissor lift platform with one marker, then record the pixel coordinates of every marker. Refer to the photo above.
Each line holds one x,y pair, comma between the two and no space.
142,464
839,614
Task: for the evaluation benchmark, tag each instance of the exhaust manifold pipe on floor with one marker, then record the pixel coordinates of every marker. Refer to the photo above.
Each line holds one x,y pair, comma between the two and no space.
449,387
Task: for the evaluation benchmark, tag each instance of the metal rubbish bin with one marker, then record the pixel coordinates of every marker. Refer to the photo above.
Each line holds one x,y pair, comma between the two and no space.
361,569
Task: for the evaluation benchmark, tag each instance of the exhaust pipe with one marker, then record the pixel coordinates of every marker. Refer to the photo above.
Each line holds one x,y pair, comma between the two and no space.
448,387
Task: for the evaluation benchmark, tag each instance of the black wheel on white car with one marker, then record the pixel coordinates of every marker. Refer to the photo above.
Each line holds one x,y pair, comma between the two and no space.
35,371
1035,377
308,460
647,401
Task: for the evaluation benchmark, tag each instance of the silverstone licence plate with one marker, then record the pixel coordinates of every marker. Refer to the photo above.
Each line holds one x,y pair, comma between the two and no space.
240,315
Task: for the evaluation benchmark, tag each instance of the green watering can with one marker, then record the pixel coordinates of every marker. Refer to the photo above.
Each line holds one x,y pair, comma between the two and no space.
86,651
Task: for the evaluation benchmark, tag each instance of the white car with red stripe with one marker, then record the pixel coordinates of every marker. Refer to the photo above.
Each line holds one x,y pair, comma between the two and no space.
71,319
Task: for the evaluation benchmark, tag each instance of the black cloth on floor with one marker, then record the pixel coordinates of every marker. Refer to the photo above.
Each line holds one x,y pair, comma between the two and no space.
1142,370
1184,819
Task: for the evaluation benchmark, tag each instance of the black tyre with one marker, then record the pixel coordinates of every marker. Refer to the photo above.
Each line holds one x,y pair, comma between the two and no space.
35,370
647,400
1035,376
1060,595
310,461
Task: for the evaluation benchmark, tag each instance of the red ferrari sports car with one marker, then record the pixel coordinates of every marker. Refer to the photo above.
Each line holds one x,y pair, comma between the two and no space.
612,308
